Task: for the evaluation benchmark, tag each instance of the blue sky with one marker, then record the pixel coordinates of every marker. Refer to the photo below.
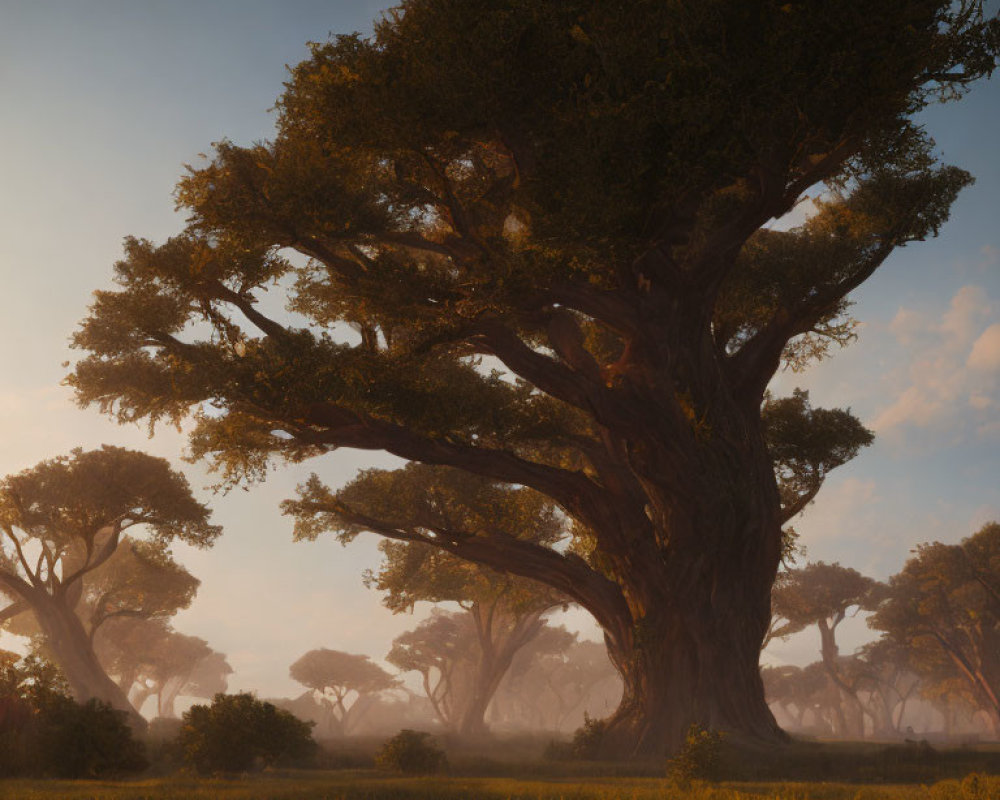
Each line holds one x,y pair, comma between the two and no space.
105,101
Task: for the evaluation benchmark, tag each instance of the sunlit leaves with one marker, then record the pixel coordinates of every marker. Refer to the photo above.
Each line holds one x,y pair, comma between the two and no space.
805,443
944,607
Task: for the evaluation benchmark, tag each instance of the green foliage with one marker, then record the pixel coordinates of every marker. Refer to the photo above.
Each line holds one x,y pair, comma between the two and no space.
412,753
805,443
43,731
699,758
580,192
587,739
87,741
943,609
238,732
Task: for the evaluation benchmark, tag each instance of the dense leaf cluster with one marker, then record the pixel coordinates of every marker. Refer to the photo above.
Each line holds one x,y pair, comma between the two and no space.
44,732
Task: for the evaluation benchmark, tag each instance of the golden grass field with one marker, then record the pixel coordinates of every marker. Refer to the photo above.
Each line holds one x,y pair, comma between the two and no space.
370,785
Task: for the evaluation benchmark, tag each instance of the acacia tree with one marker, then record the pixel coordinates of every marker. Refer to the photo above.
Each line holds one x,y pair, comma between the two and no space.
65,518
823,595
140,580
505,612
442,649
580,191
335,675
148,658
946,602
806,689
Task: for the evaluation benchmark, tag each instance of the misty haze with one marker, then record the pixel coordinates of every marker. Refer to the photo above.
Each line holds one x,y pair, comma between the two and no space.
500,398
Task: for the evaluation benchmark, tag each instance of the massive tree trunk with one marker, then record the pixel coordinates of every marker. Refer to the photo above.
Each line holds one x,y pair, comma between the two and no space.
700,603
73,652
693,665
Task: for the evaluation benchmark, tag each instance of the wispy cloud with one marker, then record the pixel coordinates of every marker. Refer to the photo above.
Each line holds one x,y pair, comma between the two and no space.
950,372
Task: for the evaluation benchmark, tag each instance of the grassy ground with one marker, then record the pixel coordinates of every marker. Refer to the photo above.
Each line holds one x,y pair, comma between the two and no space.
366,785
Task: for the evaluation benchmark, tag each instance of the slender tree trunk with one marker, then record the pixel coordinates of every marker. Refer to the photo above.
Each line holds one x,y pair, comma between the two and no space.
71,647
495,660
168,696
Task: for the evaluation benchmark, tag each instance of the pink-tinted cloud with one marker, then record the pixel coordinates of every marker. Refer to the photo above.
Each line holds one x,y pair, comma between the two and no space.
985,355
950,372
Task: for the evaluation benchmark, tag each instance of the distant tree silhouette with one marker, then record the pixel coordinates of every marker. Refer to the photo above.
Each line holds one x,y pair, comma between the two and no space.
346,684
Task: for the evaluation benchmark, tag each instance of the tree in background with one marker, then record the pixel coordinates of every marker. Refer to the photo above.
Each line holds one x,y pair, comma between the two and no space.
556,681
944,606
149,658
581,192
135,590
885,671
346,683
823,595
505,611
808,691
64,519
441,648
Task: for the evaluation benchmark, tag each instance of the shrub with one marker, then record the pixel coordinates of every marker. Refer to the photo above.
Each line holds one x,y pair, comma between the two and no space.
412,753
587,740
91,740
44,732
699,759
238,732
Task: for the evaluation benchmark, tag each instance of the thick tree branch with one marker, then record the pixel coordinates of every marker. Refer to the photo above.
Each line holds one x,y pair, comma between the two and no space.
568,574
29,574
265,324
756,362
106,551
340,427
547,374
799,504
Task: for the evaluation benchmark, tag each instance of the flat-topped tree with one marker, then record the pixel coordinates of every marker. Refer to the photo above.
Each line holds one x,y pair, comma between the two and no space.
148,657
419,508
581,192
346,682
64,519
824,595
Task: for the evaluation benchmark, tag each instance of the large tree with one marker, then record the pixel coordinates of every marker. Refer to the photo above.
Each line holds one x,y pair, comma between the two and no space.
549,225
944,607
63,520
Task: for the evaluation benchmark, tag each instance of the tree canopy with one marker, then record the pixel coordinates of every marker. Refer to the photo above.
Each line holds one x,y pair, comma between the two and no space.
345,681
548,225
62,523
944,608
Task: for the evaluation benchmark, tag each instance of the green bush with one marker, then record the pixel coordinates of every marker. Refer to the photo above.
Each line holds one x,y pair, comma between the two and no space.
412,753
699,759
587,739
238,733
91,740
44,732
